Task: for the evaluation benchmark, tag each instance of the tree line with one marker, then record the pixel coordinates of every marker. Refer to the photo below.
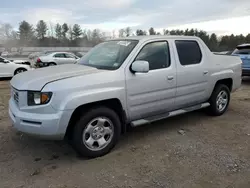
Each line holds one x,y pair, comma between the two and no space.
49,35
214,42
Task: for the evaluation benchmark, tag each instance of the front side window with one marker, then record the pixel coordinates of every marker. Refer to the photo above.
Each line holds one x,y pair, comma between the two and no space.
189,52
108,55
59,55
156,54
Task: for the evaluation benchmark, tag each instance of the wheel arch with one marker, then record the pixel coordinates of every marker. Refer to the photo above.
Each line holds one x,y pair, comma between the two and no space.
53,63
227,81
20,68
114,104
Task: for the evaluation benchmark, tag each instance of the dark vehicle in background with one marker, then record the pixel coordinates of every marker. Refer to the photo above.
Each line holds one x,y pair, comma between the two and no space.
243,51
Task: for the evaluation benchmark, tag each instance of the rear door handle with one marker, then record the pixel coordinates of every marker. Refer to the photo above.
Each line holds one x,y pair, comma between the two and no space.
205,72
170,77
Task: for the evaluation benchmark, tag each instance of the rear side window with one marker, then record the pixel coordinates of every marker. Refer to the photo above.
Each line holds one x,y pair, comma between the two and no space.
69,56
59,55
157,55
189,52
242,51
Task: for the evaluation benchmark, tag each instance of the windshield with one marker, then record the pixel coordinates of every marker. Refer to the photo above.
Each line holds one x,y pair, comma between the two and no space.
108,55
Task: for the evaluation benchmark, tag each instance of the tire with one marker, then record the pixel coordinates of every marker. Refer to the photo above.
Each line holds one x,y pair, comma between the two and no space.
51,64
216,102
19,70
86,133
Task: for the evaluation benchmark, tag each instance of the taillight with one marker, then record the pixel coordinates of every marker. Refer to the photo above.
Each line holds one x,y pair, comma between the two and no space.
38,60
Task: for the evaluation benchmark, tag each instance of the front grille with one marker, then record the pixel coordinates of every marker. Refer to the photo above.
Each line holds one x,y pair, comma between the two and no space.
15,95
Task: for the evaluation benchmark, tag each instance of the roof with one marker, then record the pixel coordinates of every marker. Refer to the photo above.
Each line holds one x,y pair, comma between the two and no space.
148,37
61,52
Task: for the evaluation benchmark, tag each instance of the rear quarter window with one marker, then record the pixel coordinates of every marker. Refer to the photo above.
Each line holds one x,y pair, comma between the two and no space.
189,52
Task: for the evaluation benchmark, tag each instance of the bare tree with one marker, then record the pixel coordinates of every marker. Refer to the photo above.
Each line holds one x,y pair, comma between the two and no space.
121,32
140,32
113,34
165,32
152,31
5,32
127,31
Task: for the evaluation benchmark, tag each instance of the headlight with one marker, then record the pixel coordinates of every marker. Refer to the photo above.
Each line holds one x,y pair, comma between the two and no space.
38,98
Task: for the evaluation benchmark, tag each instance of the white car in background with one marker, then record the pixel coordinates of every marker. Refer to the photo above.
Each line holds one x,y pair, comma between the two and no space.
5,54
35,55
56,58
9,68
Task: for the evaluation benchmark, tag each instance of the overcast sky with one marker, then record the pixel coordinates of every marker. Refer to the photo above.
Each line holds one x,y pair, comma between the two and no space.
220,16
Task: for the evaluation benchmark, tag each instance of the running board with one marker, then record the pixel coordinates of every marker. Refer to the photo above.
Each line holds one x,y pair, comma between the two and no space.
167,115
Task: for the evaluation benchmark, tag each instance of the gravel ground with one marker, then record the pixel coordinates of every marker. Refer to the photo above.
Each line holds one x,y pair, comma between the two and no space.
192,150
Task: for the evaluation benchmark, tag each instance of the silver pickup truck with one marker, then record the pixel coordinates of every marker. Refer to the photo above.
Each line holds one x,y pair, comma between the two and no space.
120,83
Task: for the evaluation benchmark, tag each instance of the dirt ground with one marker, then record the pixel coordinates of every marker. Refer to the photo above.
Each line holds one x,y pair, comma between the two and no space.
192,150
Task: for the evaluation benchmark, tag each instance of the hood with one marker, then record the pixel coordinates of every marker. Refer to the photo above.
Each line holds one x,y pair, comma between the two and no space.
36,79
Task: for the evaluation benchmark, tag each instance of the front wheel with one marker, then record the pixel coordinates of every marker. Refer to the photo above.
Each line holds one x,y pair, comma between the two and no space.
97,132
219,100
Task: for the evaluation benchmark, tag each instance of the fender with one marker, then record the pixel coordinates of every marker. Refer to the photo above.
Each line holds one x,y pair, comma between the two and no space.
220,75
79,98
228,73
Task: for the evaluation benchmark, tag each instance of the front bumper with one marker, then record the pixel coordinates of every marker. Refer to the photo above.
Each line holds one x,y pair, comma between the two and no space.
46,126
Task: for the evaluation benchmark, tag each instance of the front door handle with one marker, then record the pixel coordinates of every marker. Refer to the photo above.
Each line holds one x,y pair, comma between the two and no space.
205,72
170,77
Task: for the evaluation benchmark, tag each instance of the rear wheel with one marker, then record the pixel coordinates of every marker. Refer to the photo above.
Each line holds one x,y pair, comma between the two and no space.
20,70
97,132
219,100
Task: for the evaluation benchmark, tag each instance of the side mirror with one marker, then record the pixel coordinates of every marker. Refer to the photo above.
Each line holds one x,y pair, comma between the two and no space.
140,66
6,61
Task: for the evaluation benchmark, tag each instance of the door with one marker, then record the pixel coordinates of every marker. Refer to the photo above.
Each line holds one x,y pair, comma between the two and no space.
71,59
152,93
192,74
5,69
60,58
